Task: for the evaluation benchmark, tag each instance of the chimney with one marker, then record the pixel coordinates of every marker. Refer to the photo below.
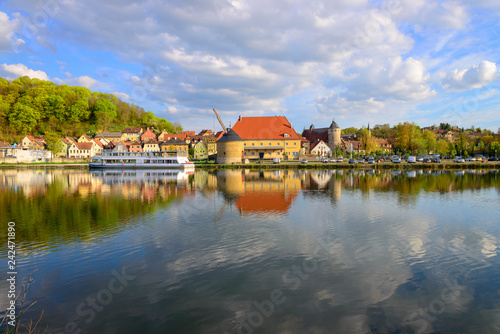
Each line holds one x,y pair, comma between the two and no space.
239,118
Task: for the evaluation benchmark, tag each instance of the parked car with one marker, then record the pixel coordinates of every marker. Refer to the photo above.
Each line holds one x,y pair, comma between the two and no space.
470,159
304,161
411,159
371,160
493,159
480,157
426,159
361,161
436,160
420,159
340,159
276,160
396,160
459,159
352,161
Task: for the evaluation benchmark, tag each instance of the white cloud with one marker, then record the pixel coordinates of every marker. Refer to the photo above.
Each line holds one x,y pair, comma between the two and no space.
474,77
390,79
90,83
14,71
7,33
122,96
430,14
86,81
255,57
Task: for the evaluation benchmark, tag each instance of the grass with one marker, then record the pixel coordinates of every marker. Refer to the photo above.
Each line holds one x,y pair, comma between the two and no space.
30,327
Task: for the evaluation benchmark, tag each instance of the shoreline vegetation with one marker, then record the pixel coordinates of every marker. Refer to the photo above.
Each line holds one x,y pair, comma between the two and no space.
288,165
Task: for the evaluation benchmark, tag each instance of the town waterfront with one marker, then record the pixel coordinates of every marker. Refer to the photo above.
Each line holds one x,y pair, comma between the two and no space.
256,251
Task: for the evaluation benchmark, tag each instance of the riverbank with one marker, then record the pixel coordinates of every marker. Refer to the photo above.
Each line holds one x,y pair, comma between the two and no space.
381,166
289,165
37,165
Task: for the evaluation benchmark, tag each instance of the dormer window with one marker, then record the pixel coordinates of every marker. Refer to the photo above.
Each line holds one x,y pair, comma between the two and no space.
287,135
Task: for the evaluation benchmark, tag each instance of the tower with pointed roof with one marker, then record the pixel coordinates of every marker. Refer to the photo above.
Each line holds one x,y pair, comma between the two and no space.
334,135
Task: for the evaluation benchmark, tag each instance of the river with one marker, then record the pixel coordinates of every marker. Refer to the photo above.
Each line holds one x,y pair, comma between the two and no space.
248,251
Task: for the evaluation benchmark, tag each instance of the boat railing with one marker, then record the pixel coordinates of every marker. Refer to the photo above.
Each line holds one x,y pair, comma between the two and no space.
110,153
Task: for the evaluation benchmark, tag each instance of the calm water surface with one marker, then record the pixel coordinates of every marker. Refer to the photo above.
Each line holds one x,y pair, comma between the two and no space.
257,252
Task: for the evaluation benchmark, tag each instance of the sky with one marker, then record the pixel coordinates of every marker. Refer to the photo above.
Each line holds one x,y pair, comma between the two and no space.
356,61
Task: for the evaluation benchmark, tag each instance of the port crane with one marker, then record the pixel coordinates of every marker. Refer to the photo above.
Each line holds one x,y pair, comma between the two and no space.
220,121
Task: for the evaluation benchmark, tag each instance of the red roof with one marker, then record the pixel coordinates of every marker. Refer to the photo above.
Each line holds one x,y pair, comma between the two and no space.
219,134
264,128
84,146
132,130
315,134
168,136
68,140
316,143
189,133
98,142
205,132
265,202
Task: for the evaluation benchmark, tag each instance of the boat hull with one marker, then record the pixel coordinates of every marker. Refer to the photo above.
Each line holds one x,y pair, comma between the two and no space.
138,166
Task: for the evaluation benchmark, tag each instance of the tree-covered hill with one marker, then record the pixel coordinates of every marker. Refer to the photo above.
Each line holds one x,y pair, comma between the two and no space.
37,107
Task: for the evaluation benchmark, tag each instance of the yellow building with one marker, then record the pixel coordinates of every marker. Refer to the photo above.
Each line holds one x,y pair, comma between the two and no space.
267,138
114,137
229,148
84,139
132,134
174,144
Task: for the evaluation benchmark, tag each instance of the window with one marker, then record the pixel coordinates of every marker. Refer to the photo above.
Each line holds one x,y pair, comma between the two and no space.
253,144
286,144
294,143
287,135
261,144
269,144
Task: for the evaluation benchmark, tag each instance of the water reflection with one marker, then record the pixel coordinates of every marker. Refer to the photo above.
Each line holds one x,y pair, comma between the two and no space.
413,252
50,197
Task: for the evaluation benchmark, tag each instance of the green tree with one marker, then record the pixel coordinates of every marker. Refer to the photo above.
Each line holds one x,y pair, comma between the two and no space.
462,143
494,148
348,131
23,118
105,112
444,126
79,111
443,147
408,138
368,144
53,142
429,140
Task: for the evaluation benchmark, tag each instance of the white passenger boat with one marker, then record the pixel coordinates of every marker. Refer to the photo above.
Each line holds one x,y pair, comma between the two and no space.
141,160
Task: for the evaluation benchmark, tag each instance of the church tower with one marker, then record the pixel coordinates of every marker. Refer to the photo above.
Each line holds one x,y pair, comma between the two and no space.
334,135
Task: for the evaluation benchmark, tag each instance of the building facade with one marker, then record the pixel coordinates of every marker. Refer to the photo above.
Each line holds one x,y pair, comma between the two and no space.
330,136
268,137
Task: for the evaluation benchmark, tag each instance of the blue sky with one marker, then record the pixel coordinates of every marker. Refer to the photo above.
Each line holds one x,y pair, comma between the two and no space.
356,61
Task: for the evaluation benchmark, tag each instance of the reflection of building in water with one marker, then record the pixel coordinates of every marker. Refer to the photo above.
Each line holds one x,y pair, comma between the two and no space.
335,188
324,182
320,178
260,191
132,184
31,182
205,181
145,185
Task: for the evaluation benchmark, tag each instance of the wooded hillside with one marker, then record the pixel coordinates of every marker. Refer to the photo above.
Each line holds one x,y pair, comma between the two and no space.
37,107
